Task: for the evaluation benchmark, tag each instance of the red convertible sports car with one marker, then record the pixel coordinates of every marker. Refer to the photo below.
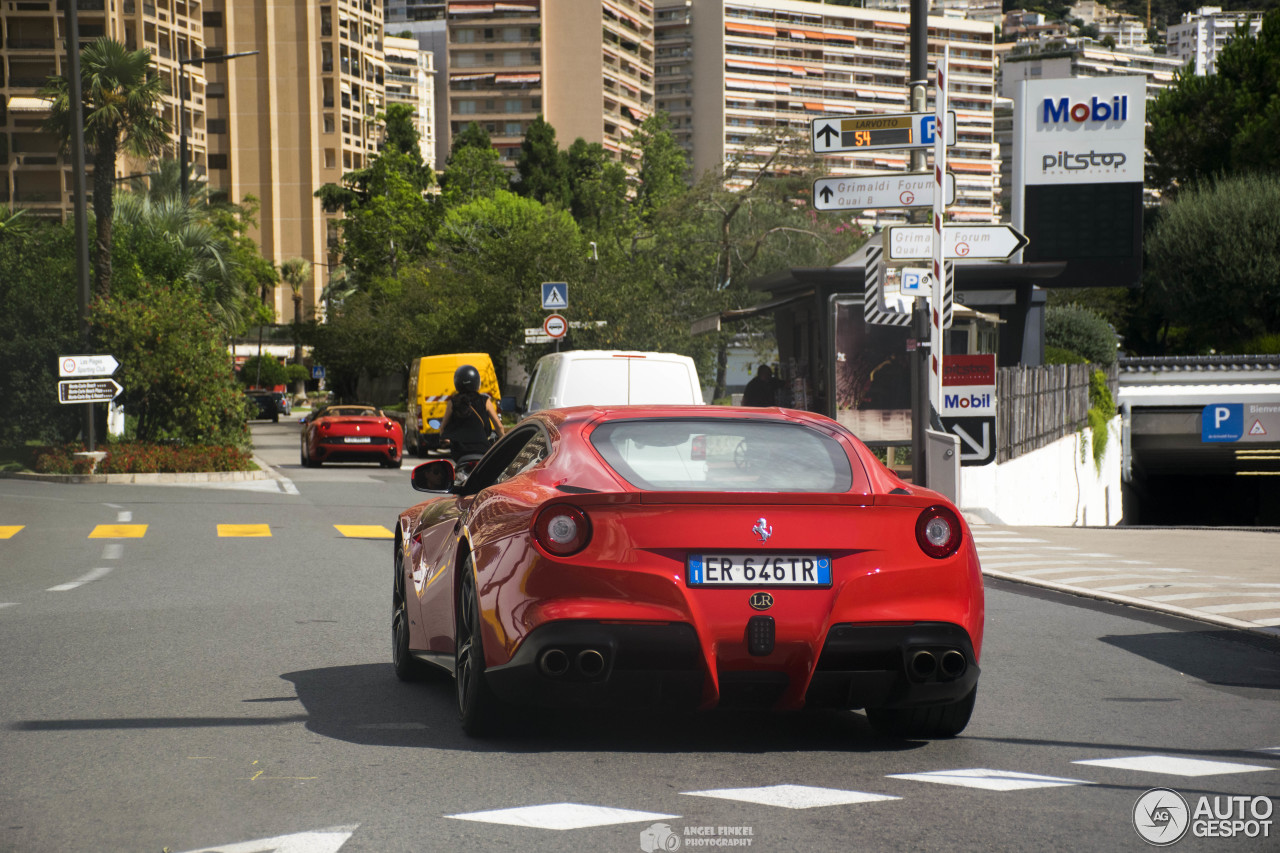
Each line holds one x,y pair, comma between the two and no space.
689,557
351,434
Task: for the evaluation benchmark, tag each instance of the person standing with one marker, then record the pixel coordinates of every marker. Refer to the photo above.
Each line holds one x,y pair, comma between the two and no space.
762,390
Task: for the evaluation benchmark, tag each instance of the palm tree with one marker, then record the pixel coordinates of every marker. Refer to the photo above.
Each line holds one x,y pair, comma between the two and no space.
296,272
122,94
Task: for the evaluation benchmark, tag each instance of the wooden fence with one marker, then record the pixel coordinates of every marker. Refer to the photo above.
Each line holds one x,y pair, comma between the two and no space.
1036,406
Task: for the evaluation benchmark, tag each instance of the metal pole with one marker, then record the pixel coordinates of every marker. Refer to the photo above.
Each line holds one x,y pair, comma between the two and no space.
76,96
917,90
182,127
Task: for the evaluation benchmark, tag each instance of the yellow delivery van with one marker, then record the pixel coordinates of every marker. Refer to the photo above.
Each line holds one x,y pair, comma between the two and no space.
430,386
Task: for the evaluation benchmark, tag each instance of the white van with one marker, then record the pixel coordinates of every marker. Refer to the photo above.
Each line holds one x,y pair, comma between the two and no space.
611,377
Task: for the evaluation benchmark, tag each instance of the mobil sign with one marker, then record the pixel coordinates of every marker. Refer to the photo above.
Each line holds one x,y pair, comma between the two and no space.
968,385
1084,130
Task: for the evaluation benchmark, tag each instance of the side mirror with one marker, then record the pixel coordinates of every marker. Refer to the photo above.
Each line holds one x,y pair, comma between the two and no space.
435,476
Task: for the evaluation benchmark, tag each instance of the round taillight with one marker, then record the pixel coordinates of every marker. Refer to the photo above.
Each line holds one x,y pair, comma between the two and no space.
938,532
562,530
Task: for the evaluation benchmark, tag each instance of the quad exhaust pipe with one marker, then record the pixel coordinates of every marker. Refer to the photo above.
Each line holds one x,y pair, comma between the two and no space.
953,663
923,664
553,663
556,663
947,665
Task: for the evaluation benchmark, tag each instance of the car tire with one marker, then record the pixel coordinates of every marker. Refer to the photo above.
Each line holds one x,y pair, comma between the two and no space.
478,709
406,666
928,721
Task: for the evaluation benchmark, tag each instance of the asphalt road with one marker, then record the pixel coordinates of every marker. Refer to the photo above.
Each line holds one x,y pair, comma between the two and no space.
187,688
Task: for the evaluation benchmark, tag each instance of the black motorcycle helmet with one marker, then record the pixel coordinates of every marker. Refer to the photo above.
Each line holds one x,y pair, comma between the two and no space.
466,379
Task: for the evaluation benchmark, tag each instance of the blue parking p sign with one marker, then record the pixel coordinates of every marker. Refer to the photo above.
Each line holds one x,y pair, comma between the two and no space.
1222,422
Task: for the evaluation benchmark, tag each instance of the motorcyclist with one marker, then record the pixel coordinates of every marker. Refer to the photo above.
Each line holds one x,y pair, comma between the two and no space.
471,422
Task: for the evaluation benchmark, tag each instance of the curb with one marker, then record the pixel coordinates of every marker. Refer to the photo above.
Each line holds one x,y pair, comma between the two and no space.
1141,603
148,479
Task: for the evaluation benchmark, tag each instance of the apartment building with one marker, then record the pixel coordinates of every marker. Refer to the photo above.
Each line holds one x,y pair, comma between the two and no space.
1200,37
33,174
1083,57
585,65
725,71
276,124
410,80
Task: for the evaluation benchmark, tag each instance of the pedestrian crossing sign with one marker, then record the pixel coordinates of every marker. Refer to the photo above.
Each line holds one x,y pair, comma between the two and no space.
555,295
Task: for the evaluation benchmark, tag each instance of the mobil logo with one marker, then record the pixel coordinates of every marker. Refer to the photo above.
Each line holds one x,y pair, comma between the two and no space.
967,401
1062,111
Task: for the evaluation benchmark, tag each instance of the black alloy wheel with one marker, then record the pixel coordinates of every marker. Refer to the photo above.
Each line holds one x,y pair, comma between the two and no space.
477,706
407,667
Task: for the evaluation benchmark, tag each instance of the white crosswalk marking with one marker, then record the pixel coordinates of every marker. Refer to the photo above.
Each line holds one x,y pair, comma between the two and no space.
1173,765
1241,608
793,796
990,780
561,816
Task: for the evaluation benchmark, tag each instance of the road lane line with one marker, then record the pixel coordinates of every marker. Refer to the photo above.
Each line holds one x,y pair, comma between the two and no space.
112,551
96,574
364,531
244,530
9,531
118,531
124,517
1173,765
4,604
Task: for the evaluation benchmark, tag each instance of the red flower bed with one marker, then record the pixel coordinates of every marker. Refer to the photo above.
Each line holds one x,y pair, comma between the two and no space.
135,458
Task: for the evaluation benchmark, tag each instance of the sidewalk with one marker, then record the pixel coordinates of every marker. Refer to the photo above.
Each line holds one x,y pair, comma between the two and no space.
1225,577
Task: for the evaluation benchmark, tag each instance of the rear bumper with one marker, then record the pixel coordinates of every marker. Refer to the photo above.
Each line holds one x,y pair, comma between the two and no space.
355,452
639,666
663,665
887,666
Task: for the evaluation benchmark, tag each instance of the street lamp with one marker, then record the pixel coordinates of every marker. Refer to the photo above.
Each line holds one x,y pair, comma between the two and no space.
182,105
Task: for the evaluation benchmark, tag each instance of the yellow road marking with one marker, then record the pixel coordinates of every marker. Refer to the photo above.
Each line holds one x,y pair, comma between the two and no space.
119,531
364,531
233,530
8,532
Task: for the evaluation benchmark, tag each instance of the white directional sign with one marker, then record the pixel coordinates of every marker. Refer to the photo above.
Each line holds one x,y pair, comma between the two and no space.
911,189
977,438
987,242
877,132
87,365
88,390
555,326
555,295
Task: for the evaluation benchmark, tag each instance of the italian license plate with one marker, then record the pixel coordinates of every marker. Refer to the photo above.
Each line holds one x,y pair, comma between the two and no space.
759,570
358,439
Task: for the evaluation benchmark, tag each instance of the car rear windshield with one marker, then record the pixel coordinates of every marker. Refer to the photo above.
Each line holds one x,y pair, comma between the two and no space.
721,455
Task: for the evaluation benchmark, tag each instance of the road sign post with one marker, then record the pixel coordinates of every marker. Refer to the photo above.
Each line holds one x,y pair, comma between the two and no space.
910,189
835,134
555,295
87,365
987,242
88,390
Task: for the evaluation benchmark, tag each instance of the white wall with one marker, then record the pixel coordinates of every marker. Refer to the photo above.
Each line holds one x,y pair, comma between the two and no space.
1051,486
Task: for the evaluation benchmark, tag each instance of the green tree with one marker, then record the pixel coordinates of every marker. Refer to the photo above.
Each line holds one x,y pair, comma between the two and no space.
597,186
296,272
40,322
1078,330
1222,124
399,131
473,168
174,366
122,94
1213,264
542,167
661,166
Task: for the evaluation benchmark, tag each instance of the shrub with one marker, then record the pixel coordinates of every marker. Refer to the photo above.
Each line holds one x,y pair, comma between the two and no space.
1080,330
262,372
1058,355
1102,408
140,458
